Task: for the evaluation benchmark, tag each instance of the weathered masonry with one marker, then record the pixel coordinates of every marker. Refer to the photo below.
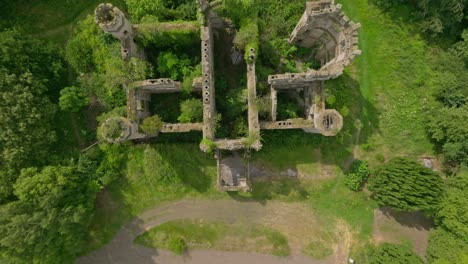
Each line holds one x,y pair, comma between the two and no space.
322,25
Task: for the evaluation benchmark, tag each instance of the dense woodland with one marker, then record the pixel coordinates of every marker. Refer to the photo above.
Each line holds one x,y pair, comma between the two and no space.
48,186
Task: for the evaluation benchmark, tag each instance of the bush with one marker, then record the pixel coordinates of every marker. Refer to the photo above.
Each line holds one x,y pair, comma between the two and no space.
331,100
207,145
353,181
390,253
359,172
191,110
177,245
152,125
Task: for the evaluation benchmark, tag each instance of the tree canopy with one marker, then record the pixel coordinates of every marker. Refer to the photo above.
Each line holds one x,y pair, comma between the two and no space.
48,221
452,212
444,246
390,253
29,71
406,185
435,17
96,56
191,110
72,99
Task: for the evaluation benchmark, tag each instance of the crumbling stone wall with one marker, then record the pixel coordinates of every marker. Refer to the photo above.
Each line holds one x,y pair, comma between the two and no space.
254,126
323,24
208,90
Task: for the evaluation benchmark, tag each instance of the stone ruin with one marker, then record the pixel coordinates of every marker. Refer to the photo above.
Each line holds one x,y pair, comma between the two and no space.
322,25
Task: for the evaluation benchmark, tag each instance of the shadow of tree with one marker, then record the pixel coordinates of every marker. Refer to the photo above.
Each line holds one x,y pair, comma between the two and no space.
409,219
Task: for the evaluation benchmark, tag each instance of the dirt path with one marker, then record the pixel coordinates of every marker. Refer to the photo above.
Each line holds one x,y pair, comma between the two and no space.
293,219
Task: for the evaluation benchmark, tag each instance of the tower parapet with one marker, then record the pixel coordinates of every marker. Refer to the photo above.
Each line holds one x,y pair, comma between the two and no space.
112,20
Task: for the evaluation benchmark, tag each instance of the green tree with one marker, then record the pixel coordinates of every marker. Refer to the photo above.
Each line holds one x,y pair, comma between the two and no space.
445,247
72,99
48,221
435,17
387,253
89,47
21,53
169,64
29,71
452,213
444,127
406,185
152,125
25,121
111,164
460,49
191,110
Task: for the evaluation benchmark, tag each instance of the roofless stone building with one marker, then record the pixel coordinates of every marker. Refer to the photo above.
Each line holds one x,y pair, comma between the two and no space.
322,25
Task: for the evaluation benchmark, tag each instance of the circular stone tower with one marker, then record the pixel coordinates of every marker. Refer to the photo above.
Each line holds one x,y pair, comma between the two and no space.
112,20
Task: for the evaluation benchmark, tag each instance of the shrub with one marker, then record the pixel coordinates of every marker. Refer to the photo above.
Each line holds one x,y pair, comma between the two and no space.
207,145
344,111
191,110
177,245
353,181
152,125
359,172
331,100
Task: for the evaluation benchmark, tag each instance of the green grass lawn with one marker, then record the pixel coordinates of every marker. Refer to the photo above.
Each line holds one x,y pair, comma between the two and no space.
394,75
201,234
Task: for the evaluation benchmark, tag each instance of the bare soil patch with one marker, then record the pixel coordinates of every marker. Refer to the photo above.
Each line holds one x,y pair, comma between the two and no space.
402,227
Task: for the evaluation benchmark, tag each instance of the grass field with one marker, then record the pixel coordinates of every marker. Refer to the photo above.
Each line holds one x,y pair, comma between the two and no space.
53,20
394,75
200,234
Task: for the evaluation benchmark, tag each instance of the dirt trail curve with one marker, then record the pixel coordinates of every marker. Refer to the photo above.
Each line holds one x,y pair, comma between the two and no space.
121,249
